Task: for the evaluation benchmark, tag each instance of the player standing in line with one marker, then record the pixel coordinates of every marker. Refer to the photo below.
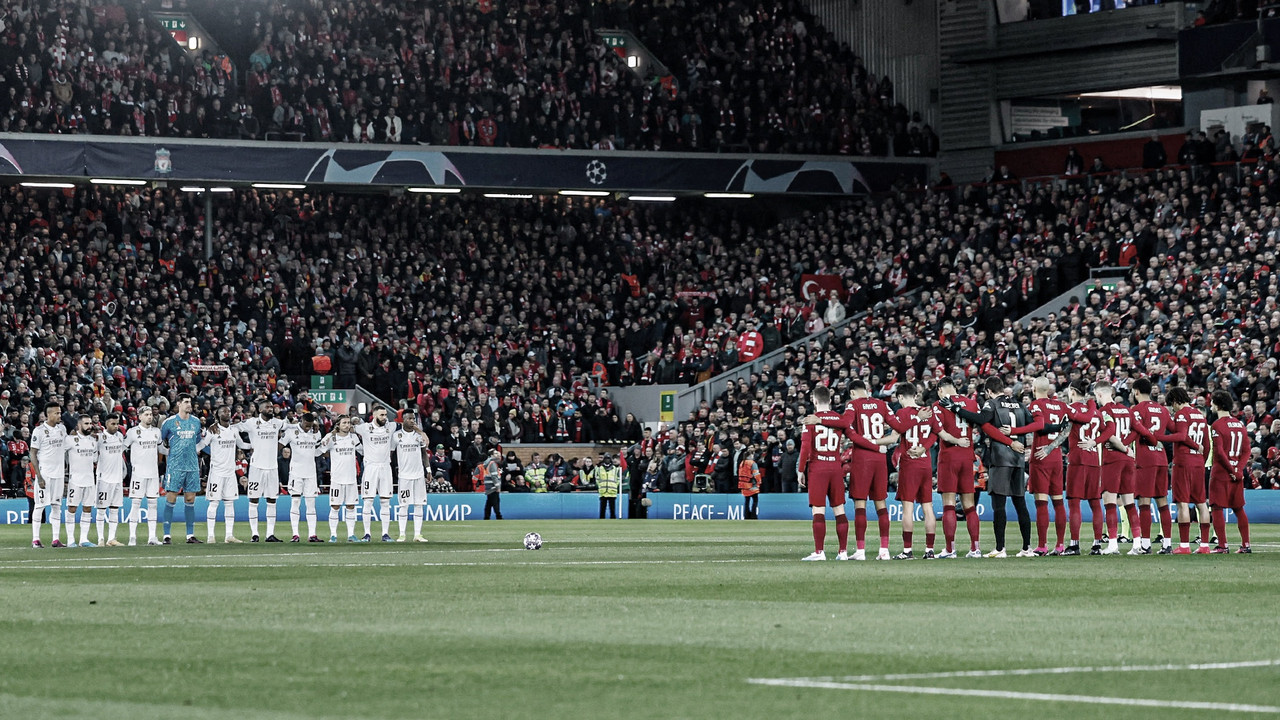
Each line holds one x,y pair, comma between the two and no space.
181,437
82,456
376,480
1226,477
821,472
915,469
1084,465
110,480
1048,414
304,484
221,441
956,456
49,463
342,446
264,473
411,464
1151,476
1118,467
143,443
1189,433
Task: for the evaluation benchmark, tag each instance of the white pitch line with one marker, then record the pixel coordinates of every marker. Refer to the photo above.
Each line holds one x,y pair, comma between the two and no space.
182,566
1047,671
1010,695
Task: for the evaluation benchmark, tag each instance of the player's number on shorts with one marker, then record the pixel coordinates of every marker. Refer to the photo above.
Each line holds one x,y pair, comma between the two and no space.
253,487
825,440
404,496
213,488
334,493
873,426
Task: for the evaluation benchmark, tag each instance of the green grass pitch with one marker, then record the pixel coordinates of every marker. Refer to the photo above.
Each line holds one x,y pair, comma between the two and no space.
625,619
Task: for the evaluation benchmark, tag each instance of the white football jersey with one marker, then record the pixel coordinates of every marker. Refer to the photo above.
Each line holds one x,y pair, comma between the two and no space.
82,454
264,436
377,442
342,457
51,451
222,443
409,455
111,457
144,450
306,446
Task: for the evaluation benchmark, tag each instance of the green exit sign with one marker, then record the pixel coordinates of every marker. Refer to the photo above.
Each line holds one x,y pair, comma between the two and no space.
172,23
614,41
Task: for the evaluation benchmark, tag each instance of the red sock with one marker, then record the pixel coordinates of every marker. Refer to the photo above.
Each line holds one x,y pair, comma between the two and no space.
1060,519
1184,532
1095,509
928,539
883,517
1204,533
1132,512
906,538
1242,524
971,521
949,527
1075,519
1144,520
860,527
1113,521
819,532
1219,525
1166,521
842,531
1042,521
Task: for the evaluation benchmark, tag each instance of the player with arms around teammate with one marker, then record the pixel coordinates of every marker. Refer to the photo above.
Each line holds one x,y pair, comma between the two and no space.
1151,476
1084,465
1048,415
411,451
342,446
304,483
264,469
181,437
143,444
377,437
956,457
1189,433
110,480
822,473
49,463
1226,477
82,457
1118,467
221,441
915,469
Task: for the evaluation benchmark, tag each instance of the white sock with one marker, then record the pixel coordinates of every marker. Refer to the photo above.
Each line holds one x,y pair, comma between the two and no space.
211,519
368,515
102,527
271,518
351,520
404,519
253,517
153,505
294,512
384,510
55,519
311,516
86,521
113,523
229,517
417,519
333,520
37,521
135,512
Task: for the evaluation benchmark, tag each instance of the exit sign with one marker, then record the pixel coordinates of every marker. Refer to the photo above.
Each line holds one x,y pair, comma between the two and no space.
173,23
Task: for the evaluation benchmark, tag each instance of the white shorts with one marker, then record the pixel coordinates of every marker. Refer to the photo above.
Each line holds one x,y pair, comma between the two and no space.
81,496
376,481
264,483
110,494
222,488
413,492
141,487
54,490
303,487
343,495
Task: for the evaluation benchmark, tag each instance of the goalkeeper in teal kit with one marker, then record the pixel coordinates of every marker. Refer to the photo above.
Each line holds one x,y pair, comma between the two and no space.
181,435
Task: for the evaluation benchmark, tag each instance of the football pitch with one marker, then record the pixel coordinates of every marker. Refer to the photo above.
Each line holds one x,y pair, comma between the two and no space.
656,619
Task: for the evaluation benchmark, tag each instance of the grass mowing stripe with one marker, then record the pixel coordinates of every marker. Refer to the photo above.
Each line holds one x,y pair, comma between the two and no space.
1052,671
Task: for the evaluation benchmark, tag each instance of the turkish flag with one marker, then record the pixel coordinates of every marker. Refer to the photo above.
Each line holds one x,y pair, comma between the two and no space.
815,287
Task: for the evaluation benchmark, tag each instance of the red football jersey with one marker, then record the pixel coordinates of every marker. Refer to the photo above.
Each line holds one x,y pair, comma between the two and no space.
1044,411
1154,419
956,427
1189,433
869,419
1121,417
916,433
820,445
1230,446
1086,424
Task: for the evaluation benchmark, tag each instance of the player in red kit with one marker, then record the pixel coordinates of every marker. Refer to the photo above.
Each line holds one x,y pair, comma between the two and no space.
1226,476
821,471
955,467
1151,477
1118,466
1189,433
915,469
1084,465
1048,417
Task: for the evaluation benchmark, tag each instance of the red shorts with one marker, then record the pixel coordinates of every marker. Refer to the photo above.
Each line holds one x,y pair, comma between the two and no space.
955,475
1151,482
1046,478
1084,482
825,487
1222,492
1188,484
869,480
1118,478
915,482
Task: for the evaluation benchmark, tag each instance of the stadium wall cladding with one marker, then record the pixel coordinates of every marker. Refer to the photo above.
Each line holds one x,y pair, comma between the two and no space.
1263,506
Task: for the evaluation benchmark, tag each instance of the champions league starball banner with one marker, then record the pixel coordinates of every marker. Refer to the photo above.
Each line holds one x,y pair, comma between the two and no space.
1263,506
230,161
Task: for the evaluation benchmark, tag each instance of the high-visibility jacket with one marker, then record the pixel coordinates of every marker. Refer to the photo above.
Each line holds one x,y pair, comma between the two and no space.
608,480
536,476
749,477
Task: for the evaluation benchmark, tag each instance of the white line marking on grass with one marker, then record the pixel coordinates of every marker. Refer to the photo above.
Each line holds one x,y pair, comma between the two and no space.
1009,695
187,565
1049,671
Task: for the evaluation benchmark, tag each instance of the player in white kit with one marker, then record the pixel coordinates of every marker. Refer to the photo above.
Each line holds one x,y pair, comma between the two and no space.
110,480
377,438
49,461
82,457
264,474
143,443
221,441
342,446
304,486
411,444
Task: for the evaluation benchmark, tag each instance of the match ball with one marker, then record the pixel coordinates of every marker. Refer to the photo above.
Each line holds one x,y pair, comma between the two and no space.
532,541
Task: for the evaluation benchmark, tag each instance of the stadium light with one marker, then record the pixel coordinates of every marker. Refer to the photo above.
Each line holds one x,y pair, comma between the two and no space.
652,198
193,43
110,181
633,61
728,196
585,193
437,190
191,188
509,196
220,189
61,185
280,186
